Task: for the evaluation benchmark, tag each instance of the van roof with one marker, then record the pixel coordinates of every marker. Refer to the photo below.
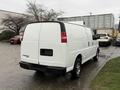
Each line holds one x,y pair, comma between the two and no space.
61,24
46,22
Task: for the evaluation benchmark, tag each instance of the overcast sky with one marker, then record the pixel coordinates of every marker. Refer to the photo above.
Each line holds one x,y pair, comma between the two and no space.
70,7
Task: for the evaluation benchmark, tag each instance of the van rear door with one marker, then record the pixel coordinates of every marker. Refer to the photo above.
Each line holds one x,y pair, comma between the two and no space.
44,43
52,51
29,45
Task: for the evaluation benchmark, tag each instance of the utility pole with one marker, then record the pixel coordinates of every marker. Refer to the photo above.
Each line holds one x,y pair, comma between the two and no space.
119,25
89,20
90,13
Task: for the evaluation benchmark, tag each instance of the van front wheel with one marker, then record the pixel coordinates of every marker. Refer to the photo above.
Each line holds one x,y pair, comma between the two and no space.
95,58
77,69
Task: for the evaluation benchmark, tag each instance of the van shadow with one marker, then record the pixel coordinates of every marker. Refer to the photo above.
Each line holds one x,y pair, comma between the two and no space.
59,82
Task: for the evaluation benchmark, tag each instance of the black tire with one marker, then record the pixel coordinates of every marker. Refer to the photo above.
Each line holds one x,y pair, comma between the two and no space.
40,72
77,69
12,42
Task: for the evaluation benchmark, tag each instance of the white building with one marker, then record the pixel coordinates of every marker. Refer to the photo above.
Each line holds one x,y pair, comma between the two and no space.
101,21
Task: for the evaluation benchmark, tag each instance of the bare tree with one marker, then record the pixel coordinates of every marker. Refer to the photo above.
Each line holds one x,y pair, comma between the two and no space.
51,14
35,10
14,23
40,13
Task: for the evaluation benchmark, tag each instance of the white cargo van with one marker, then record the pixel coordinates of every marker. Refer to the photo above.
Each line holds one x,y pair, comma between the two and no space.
57,47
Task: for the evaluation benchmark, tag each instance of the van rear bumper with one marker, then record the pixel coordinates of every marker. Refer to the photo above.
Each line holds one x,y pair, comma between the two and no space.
49,69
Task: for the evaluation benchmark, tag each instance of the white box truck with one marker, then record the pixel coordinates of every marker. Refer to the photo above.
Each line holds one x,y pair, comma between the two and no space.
57,47
104,31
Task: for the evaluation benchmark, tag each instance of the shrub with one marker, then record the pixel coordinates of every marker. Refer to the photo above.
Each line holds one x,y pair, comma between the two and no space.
6,35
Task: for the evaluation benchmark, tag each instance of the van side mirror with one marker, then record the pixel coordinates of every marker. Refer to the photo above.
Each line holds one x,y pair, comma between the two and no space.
95,37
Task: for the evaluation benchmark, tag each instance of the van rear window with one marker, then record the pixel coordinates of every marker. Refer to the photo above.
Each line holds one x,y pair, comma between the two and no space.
46,52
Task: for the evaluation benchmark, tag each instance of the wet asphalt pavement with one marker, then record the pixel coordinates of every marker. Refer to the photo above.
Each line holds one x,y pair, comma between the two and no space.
12,77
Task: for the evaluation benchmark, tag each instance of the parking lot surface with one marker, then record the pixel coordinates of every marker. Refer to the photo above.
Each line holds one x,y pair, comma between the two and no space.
12,77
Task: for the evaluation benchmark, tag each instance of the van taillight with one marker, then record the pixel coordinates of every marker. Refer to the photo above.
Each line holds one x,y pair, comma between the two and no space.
63,37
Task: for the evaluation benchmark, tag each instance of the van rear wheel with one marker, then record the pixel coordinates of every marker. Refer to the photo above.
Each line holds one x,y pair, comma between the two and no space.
40,72
77,69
